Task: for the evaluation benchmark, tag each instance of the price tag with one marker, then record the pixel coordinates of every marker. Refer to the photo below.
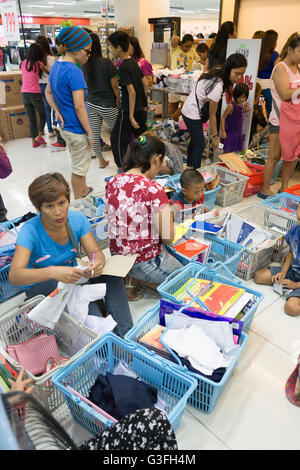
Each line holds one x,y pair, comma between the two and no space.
10,22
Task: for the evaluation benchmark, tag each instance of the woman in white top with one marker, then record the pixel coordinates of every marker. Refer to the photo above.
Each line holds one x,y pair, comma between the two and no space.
48,60
284,119
204,99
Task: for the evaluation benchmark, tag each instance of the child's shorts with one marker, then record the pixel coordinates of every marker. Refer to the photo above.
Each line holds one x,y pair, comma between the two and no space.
291,275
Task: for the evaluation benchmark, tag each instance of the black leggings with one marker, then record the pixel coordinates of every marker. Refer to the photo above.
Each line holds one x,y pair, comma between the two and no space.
122,132
32,102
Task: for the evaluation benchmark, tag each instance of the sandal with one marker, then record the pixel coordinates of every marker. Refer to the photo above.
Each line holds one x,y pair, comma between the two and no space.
105,164
89,191
134,292
292,386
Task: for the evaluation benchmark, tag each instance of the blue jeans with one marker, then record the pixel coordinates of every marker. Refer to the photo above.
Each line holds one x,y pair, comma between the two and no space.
157,269
115,300
48,110
197,142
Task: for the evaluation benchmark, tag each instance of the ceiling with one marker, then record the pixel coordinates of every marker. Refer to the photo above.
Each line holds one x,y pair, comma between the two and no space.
90,8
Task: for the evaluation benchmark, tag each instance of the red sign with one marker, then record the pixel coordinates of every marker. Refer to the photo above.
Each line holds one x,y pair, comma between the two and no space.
52,21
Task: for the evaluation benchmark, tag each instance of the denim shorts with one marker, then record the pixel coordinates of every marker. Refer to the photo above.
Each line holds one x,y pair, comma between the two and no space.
291,275
156,269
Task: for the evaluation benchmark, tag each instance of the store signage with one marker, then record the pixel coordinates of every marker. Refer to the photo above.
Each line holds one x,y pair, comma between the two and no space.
250,48
9,16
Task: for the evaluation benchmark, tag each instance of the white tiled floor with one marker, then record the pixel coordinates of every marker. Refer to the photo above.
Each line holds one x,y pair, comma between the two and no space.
252,412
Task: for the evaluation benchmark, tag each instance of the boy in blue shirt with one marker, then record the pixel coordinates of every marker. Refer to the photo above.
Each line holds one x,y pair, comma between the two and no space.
288,275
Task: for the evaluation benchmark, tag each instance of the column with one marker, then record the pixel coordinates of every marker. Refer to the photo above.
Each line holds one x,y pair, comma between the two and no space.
136,13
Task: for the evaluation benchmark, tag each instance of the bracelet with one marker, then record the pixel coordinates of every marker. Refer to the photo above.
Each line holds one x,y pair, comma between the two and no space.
89,138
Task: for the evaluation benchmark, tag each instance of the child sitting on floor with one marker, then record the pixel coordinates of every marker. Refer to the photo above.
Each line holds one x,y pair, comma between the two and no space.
192,191
289,274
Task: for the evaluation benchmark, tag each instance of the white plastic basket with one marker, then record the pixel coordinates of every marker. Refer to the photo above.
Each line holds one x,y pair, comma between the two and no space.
275,222
72,338
232,185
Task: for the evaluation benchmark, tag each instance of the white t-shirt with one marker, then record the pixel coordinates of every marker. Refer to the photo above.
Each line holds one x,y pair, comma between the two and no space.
50,61
190,107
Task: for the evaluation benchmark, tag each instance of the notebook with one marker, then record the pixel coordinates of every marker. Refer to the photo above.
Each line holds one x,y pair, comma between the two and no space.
205,227
152,338
217,298
194,249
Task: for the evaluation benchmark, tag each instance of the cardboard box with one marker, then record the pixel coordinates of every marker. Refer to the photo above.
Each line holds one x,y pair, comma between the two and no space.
19,122
5,125
13,84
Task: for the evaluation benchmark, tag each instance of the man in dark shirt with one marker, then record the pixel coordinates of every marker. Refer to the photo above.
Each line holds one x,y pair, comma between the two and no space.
132,116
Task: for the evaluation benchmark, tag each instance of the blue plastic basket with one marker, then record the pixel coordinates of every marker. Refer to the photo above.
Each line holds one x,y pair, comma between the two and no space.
205,396
219,273
283,201
222,250
7,290
173,385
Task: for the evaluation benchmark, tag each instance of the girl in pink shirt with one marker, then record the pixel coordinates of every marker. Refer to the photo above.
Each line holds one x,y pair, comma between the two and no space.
32,68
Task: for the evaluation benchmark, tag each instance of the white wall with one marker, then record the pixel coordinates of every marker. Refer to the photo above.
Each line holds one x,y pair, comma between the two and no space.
195,26
283,16
136,13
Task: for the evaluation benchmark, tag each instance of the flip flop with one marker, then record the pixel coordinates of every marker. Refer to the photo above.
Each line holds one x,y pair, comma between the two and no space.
292,385
262,195
89,192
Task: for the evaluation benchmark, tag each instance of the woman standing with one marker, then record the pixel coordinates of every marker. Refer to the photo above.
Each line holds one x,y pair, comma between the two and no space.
103,97
32,68
48,60
284,120
267,60
209,89
65,93
136,52
217,52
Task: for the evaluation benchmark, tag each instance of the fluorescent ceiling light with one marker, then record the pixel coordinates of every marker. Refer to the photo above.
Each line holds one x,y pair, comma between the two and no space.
39,6
61,3
211,9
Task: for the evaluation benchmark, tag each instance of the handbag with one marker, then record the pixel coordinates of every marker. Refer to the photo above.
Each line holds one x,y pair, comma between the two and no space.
204,111
5,165
35,353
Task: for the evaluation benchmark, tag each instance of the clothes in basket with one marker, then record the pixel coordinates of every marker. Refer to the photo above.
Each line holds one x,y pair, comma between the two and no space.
121,393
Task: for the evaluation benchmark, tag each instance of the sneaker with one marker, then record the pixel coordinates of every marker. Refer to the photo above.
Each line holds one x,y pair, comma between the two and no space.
41,141
36,144
56,144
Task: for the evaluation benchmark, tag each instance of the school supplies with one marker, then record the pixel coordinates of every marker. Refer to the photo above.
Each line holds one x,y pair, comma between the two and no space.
194,249
278,288
235,163
217,298
207,227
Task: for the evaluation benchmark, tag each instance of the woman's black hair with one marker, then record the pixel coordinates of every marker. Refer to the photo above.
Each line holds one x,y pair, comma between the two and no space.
234,61
45,45
219,47
137,50
96,54
268,44
241,89
141,152
33,56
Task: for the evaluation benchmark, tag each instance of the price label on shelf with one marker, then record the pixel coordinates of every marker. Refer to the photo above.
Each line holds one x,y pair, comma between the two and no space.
9,15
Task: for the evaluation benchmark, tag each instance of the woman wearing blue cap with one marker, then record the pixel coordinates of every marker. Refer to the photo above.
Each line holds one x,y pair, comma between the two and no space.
65,93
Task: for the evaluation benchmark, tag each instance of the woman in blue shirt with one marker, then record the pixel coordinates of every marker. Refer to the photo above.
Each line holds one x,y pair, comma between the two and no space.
45,253
65,93
267,61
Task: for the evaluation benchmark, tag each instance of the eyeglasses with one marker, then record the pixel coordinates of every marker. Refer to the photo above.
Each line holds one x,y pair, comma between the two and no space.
87,51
